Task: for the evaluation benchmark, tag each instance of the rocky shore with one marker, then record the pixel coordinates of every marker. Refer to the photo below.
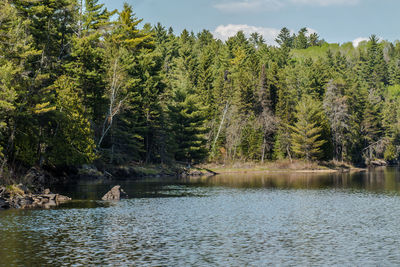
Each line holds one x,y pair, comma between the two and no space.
20,197
28,190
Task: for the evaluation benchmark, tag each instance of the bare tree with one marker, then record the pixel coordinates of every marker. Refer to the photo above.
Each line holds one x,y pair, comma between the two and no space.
336,108
234,127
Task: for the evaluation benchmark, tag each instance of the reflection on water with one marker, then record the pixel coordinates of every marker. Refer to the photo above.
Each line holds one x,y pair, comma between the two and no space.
380,179
230,220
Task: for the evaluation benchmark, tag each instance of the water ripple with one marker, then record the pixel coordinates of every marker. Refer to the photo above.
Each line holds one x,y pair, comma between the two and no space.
217,226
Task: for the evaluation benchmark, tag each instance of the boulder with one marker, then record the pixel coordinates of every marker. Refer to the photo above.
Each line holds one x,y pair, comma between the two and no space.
116,193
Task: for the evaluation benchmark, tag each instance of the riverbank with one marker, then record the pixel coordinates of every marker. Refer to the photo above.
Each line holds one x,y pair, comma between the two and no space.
30,190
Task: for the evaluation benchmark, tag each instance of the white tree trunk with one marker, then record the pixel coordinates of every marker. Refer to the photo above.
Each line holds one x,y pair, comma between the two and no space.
115,105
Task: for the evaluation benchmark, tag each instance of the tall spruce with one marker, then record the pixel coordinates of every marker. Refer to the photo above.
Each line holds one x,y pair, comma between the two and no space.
307,130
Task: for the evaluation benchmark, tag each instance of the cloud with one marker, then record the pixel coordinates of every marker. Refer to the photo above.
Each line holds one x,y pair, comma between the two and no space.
358,40
232,6
326,2
223,32
309,31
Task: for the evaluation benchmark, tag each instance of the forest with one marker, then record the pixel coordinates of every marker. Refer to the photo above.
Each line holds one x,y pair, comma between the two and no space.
80,83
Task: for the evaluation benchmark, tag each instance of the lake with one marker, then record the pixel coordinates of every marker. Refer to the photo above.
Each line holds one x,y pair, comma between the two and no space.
227,220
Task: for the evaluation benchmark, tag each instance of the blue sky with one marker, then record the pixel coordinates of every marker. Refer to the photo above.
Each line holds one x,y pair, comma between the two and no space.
336,21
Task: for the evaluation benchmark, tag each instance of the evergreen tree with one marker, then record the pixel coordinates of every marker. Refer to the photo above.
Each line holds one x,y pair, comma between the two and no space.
285,38
205,88
187,125
88,64
306,135
15,47
374,69
301,41
71,142
313,39
50,26
391,122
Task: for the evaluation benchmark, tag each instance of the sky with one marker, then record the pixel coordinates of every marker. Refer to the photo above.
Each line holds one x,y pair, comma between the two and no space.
336,21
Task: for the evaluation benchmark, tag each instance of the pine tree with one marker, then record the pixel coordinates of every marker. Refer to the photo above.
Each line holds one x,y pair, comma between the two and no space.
391,122
394,72
371,123
374,69
243,81
88,64
285,110
356,98
306,141
187,125
186,115
313,39
285,38
205,88
301,41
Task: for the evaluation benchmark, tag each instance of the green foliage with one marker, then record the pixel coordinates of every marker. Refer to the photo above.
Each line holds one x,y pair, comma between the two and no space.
95,17
72,141
285,38
82,82
301,41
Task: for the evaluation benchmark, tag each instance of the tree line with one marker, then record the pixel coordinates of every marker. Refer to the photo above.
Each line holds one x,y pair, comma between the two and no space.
81,83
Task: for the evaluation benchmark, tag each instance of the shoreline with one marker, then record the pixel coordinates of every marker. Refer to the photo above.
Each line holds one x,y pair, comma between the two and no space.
33,195
282,167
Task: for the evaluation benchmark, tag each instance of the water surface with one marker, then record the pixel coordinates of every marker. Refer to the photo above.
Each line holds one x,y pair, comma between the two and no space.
229,220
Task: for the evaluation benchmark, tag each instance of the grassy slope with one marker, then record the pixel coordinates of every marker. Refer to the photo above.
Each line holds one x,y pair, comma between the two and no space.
316,52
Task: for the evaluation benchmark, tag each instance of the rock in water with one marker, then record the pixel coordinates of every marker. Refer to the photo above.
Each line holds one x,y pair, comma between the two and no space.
116,193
